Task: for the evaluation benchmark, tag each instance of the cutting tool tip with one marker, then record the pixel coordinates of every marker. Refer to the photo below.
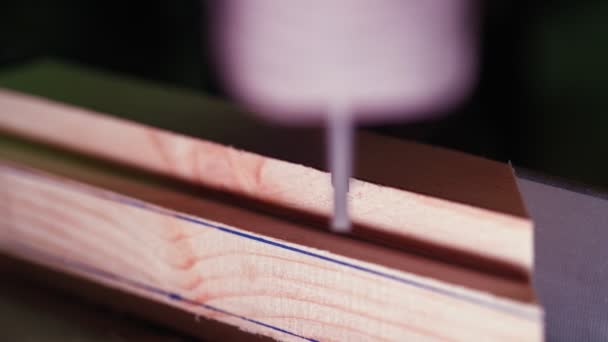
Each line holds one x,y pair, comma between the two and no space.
340,145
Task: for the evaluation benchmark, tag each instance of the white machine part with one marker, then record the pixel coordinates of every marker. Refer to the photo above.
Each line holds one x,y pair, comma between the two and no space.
342,62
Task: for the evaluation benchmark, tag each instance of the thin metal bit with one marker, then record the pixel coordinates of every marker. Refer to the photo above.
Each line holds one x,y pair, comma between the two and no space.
340,143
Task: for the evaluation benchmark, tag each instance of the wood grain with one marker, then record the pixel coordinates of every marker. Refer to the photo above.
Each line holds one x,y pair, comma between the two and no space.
67,218
498,232
139,205
455,176
78,304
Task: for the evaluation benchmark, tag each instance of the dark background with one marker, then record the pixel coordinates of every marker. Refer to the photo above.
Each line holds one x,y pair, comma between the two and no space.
541,101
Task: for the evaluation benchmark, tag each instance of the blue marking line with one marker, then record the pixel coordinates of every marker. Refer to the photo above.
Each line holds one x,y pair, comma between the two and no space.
151,289
115,197
411,282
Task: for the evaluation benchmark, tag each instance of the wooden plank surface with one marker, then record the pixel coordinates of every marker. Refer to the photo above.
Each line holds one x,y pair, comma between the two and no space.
33,298
193,114
501,239
67,219
168,221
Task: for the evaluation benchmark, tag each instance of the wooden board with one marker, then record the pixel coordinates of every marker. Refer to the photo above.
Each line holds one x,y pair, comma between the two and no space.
152,241
186,218
32,298
496,236
33,285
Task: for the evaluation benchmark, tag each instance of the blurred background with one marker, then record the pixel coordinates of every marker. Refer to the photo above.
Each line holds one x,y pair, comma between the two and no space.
541,100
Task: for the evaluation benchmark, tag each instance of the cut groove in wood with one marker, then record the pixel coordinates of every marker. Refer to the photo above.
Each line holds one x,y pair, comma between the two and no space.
405,306
121,180
503,239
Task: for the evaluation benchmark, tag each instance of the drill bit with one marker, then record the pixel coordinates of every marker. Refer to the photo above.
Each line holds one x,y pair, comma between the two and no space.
340,144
